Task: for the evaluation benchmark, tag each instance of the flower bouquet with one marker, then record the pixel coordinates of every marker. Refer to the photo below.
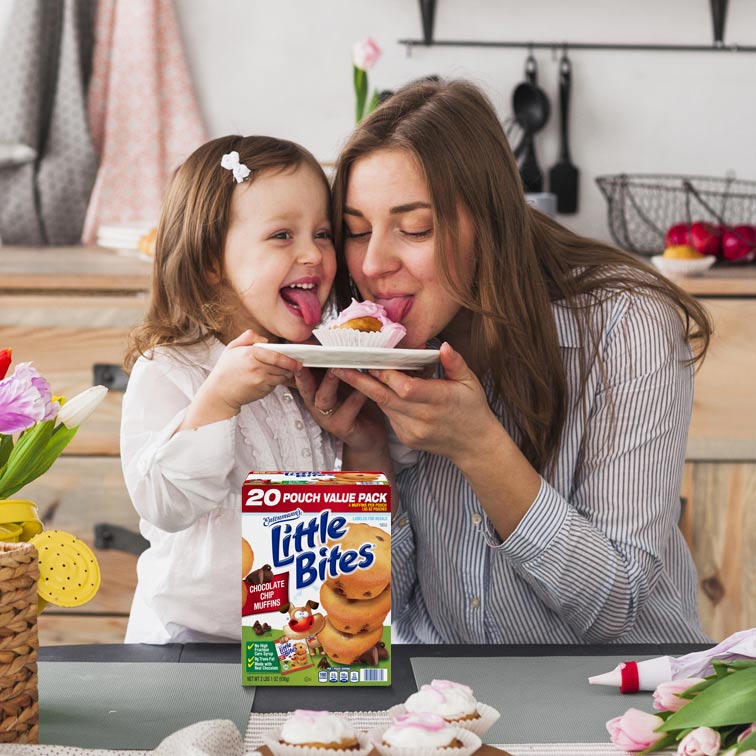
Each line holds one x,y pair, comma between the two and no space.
35,427
364,56
701,716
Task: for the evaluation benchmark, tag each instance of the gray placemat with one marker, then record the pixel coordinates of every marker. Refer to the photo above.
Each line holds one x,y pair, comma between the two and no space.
121,705
543,699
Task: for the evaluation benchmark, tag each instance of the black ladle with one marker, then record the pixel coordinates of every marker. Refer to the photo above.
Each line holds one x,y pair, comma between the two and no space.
531,109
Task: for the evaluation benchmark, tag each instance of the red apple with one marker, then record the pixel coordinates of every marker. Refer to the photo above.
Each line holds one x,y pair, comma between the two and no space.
677,235
706,238
739,243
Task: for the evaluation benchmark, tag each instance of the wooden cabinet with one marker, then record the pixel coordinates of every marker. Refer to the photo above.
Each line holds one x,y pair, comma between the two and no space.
719,523
719,483
66,310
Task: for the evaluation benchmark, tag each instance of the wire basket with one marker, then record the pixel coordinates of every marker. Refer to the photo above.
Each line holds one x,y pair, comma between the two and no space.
643,206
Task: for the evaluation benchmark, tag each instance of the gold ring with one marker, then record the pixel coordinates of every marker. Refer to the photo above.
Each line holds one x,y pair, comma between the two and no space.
328,412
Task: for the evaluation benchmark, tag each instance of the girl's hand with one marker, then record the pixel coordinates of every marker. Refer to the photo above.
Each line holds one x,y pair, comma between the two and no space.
355,420
442,416
244,374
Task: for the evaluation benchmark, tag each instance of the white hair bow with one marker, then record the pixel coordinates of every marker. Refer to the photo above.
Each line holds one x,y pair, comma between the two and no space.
230,161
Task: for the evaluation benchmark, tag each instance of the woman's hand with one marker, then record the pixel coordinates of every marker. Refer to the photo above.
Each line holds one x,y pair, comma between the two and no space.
242,375
449,416
353,419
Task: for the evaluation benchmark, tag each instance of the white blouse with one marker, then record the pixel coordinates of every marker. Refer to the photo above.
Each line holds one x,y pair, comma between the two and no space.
186,487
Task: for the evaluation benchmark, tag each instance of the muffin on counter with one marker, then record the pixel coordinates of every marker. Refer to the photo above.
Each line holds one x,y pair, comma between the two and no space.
308,733
454,702
423,734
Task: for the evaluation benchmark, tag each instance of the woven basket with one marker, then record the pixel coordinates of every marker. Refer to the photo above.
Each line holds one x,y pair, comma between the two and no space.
19,704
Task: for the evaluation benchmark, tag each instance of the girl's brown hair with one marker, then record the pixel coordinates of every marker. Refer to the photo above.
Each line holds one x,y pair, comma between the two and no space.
523,260
185,306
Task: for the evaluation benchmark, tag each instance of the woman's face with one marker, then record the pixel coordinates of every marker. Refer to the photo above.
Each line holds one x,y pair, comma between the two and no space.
390,243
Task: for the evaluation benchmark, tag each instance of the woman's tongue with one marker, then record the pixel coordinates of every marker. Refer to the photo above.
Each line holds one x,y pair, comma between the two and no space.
307,302
396,307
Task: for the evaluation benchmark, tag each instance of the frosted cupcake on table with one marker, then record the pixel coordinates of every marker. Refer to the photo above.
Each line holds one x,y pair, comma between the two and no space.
362,324
423,734
309,733
454,702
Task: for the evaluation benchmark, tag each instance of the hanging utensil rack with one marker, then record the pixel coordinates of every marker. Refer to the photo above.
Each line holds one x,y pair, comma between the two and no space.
718,14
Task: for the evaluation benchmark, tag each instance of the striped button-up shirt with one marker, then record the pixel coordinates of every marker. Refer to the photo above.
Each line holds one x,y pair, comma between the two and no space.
598,557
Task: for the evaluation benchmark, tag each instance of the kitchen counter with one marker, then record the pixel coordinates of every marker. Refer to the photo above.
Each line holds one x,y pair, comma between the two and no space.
73,268
132,696
724,281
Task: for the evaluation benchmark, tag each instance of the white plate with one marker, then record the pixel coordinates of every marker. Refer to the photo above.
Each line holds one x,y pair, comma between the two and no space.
672,268
380,358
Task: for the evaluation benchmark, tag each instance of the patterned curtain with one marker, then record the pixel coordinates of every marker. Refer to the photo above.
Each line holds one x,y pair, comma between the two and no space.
47,162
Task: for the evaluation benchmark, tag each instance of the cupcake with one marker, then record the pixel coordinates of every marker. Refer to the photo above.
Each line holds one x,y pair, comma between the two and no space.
309,733
423,734
452,701
363,324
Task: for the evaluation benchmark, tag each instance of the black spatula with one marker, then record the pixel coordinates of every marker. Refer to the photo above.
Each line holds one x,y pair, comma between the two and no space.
563,177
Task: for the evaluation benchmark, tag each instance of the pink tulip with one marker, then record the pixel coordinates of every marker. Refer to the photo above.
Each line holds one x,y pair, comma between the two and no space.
666,695
749,731
365,53
634,730
25,399
703,741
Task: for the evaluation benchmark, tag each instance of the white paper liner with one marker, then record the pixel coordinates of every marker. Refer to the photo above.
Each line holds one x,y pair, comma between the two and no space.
487,715
348,337
272,740
470,743
671,267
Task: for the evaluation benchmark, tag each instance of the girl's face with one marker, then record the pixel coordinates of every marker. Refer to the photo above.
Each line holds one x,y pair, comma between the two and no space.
279,257
390,243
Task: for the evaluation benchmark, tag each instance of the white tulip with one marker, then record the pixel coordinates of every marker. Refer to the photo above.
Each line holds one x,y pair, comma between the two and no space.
75,411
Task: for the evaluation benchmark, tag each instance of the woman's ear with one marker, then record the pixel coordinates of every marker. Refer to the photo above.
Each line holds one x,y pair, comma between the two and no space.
213,274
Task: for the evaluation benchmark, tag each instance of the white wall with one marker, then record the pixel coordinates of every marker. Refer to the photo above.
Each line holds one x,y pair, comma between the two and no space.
283,67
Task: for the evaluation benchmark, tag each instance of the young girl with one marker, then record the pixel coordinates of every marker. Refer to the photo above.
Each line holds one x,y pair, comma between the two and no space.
244,255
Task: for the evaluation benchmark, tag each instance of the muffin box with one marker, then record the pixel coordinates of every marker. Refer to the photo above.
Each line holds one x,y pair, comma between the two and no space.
316,579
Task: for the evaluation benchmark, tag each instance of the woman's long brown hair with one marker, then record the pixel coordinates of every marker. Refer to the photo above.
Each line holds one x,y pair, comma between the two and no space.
524,261
186,306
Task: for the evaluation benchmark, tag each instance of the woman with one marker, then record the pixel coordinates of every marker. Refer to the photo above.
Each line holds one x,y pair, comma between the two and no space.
542,503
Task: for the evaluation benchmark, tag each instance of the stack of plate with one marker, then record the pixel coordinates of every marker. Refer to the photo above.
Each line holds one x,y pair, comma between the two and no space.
124,238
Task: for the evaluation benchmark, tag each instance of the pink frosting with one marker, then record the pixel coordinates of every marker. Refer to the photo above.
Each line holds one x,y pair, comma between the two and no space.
421,720
312,713
450,685
366,309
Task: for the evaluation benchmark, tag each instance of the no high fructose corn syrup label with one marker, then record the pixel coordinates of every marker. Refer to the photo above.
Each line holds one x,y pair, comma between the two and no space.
316,579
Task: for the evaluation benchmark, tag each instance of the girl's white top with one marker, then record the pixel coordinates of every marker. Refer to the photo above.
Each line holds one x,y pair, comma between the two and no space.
186,487
316,727
443,697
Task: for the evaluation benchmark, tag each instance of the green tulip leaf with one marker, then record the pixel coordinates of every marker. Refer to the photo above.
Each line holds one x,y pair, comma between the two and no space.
730,700
60,439
6,447
360,92
25,455
375,101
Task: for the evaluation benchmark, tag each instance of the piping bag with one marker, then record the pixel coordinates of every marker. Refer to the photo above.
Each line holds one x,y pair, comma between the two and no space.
630,677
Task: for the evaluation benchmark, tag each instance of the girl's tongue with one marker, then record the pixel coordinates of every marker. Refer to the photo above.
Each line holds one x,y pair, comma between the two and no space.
307,302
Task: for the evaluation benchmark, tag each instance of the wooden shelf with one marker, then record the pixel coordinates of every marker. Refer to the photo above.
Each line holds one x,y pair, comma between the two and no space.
71,269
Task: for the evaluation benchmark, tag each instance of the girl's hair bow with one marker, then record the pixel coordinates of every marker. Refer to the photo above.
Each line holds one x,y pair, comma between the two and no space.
230,161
